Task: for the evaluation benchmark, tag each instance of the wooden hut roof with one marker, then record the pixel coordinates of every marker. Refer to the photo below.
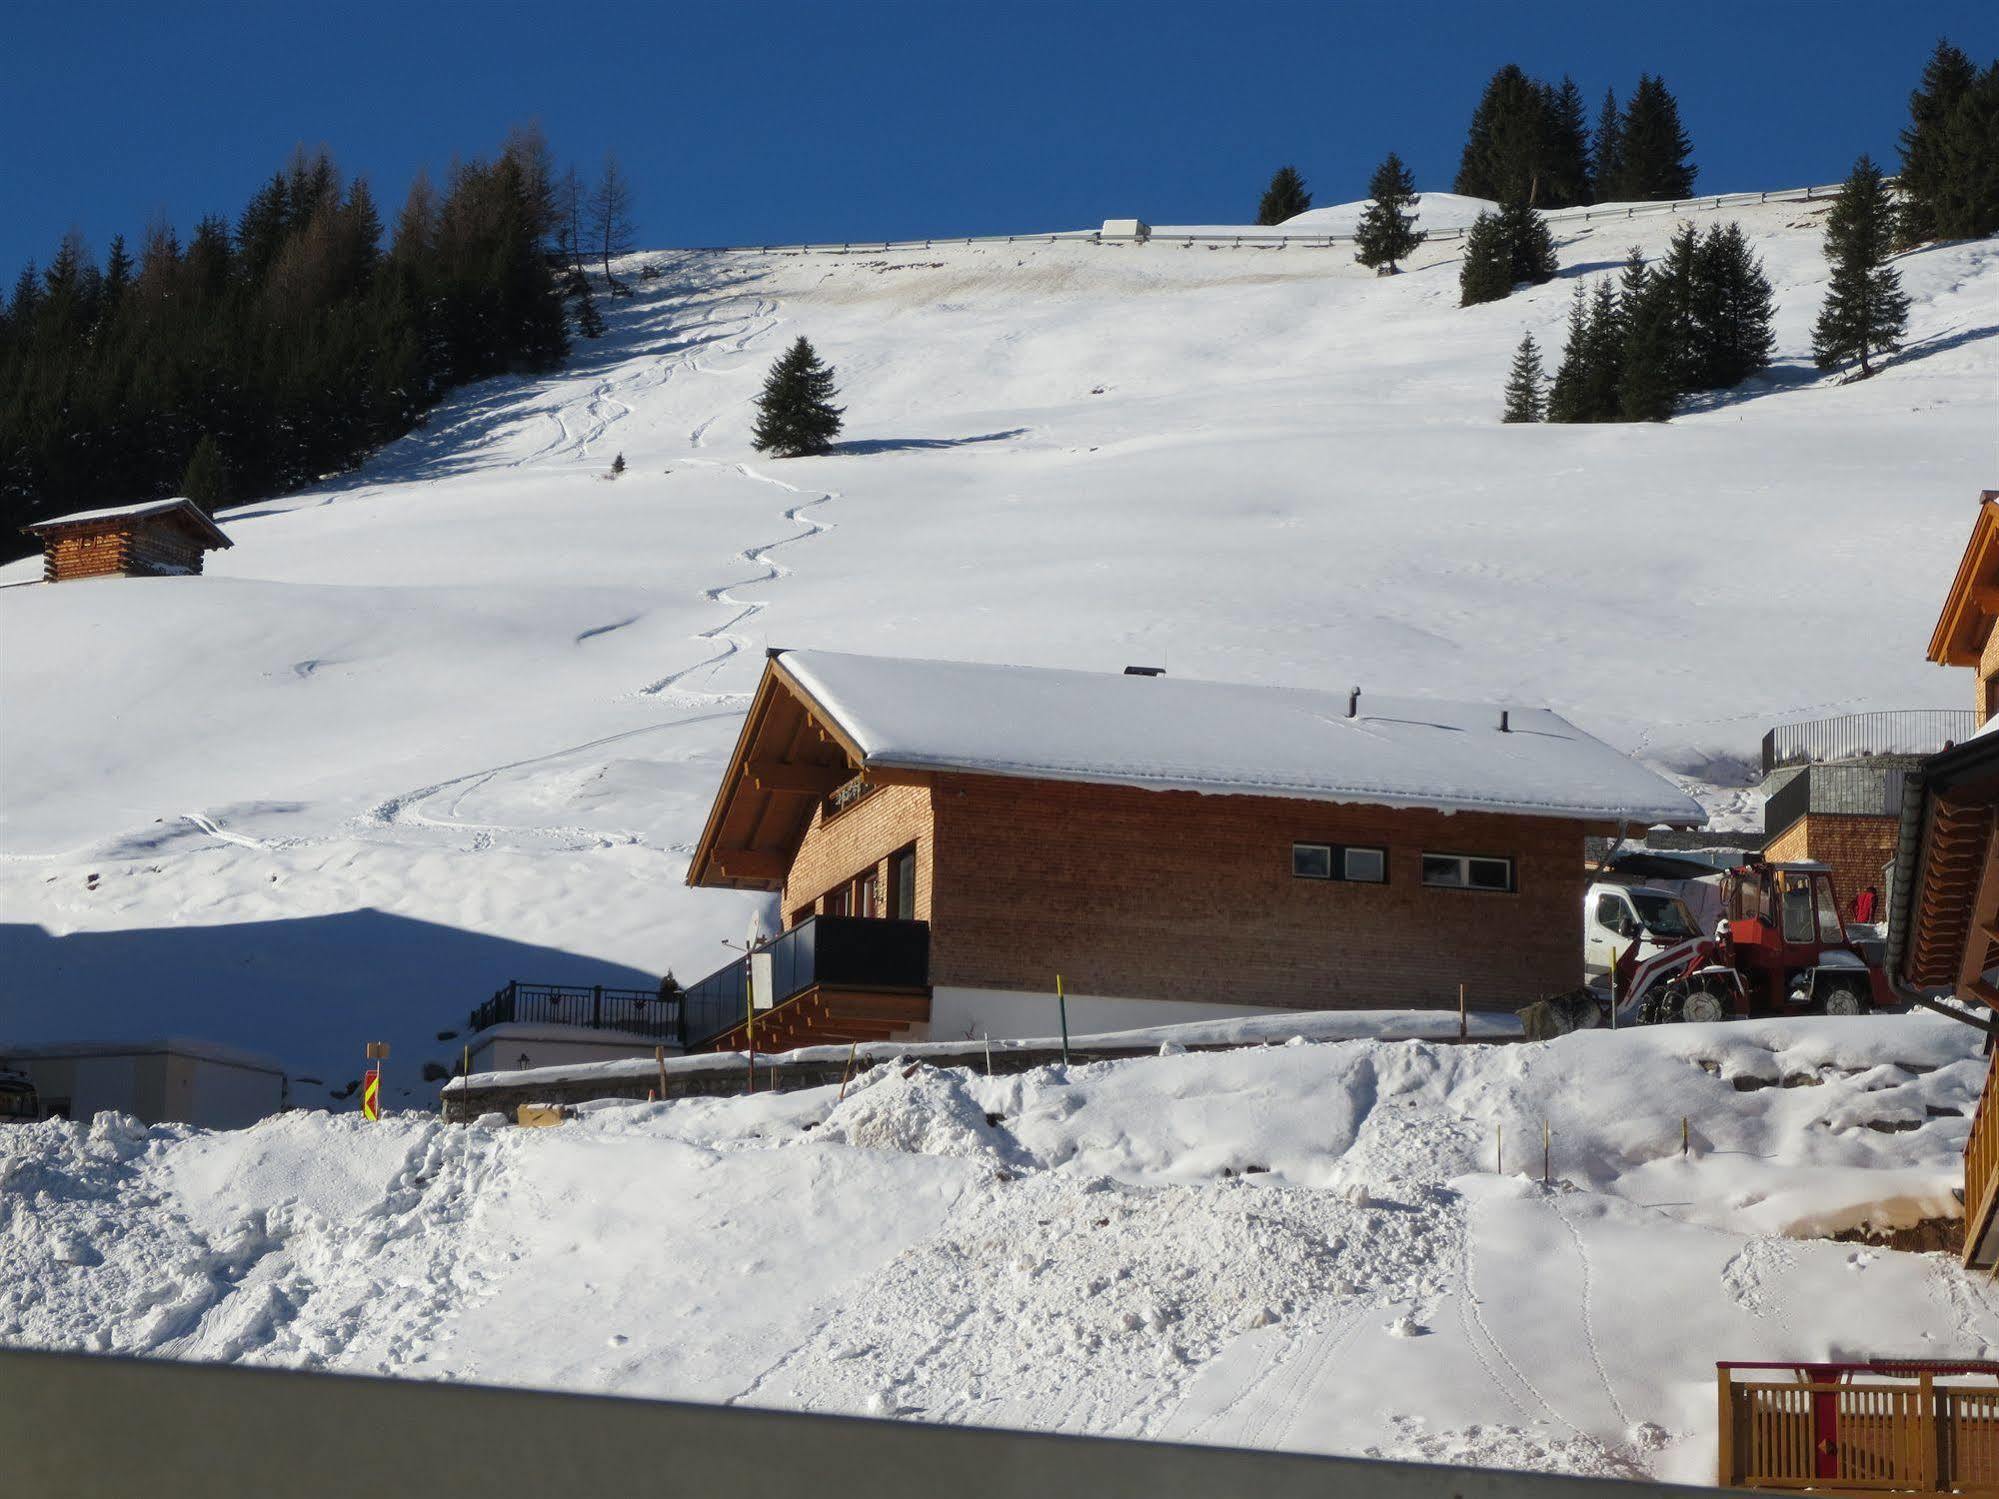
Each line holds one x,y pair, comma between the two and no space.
1973,602
181,509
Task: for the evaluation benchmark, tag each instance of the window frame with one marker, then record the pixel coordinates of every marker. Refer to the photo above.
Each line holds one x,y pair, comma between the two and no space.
1336,862
1465,862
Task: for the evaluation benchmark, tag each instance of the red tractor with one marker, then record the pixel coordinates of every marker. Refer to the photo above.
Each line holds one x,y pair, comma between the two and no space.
1781,949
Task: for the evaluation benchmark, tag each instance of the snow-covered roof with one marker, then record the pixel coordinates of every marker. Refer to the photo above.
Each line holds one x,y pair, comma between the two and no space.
1171,733
133,512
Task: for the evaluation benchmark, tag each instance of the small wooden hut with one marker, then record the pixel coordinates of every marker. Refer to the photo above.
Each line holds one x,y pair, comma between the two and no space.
157,538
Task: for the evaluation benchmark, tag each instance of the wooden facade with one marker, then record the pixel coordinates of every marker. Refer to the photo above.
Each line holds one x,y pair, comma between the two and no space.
163,538
1180,898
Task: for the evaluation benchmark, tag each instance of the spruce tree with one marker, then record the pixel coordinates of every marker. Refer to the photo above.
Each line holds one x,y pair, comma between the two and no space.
1654,146
1603,354
1530,248
1646,378
1505,152
205,480
1566,149
795,412
1730,308
1387,231
1967,199
1565,391
1606,151
1865,309
1525,399
1285,198
1947,78
1486,273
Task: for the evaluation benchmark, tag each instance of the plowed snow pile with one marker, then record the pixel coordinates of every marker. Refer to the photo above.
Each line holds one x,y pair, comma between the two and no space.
1303,1246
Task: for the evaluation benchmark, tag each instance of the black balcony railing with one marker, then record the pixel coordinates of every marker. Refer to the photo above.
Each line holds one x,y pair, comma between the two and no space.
640,1012
1855,736
1835,791
857,951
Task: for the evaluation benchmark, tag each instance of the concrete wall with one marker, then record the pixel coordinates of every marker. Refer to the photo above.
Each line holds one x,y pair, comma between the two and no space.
157,1087
1009,1014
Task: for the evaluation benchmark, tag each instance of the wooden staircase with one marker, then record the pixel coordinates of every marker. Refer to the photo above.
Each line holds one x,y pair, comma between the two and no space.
825,1016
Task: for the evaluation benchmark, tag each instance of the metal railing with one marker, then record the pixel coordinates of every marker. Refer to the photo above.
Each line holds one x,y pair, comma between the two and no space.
857,951
640,1012
1855,736
1830,1434
1278,238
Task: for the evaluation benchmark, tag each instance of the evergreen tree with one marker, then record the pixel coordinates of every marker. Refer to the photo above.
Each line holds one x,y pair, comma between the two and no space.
589,322
1525,399
1967,197
205,480
1606,151
1530,247
1947,78
1505,150
1603,355
617,465
1387,231
1653,147
1729,309
1865,309
1647,383
1486,273
1565,391
1566,150
795,411
1285,198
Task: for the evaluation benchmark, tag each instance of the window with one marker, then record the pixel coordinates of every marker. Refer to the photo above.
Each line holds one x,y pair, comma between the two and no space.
1312,861
1831,928
1338,861
902,884
1797,908
1610,912
1665,916
1467,872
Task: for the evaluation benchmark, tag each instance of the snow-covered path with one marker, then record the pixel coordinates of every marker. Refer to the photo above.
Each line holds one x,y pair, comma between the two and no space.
1302,1247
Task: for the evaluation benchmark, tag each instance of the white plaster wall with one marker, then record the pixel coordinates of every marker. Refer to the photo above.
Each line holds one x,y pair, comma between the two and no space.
225,1097
496,1051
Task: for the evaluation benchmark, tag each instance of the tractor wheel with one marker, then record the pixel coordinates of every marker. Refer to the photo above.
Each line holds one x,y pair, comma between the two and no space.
1842,999
1703,1005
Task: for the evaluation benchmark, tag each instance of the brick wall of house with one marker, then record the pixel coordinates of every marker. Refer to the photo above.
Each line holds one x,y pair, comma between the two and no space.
840,846
1172,895
1854,848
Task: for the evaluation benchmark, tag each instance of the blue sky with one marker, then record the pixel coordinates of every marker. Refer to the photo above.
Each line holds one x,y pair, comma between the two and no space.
781,120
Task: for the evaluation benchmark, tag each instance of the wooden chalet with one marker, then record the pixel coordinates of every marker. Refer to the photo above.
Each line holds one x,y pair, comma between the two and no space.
945,839
158,538
1943,917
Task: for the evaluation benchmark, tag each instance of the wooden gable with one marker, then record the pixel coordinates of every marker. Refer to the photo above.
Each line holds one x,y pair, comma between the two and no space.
1973,602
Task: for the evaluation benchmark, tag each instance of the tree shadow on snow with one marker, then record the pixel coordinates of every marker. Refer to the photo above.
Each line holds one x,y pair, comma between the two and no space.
310,991
1795,375
860,445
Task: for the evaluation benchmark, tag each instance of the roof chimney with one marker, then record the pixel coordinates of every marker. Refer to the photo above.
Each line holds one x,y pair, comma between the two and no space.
1353,703
1145,671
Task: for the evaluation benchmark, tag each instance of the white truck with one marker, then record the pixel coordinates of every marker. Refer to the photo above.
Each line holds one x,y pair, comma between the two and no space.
1615,916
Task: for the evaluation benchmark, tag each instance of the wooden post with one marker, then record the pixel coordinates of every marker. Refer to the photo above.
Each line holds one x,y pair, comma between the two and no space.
1499,1150
1686,1137
659,1061
989,1056
1461,1012
1724,1431
1062,1005
1928,1434
847,1071
1547,1142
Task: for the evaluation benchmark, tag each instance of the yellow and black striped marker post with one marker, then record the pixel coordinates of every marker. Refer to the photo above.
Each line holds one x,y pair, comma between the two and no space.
371,1094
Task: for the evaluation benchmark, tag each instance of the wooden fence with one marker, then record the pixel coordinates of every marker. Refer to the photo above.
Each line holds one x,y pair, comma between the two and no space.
1981,1180
1838,1436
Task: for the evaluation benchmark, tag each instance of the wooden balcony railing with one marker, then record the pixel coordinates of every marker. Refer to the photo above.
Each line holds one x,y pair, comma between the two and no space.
1832,1433
1981,1181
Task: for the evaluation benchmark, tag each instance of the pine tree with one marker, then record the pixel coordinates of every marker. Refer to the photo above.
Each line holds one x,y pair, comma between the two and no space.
1505,149
1525,399
205,480
1603,355
1648,386
1285,198
1654,147
1530,247
1565,391
1947,78
1865,309
617,465
589,322
1606,151
1486,273
1566,150
1967,198
795,412
1387,231
1730,309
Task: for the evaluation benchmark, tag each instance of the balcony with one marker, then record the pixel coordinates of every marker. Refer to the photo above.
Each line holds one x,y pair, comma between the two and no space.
822,952
636,1012
1857,736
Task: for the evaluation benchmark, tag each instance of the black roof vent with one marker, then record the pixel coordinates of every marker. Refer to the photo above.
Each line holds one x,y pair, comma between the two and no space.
1145,671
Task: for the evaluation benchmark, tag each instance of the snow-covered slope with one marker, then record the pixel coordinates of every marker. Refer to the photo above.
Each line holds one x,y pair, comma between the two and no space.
1305,1246
455,719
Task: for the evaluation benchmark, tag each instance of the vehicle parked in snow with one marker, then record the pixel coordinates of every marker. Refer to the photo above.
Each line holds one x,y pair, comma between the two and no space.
1781,949
19,1102
1615,916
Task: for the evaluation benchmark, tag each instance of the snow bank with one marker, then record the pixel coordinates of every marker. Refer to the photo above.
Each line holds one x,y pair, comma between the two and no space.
1200,1246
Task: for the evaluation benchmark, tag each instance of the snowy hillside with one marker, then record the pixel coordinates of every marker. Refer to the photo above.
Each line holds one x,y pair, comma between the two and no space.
1304,1247
455,719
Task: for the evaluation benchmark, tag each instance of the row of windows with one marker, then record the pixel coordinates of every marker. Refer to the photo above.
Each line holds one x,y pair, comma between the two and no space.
1367,865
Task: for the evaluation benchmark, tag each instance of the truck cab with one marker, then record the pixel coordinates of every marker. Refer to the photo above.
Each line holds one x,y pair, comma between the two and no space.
1615,916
